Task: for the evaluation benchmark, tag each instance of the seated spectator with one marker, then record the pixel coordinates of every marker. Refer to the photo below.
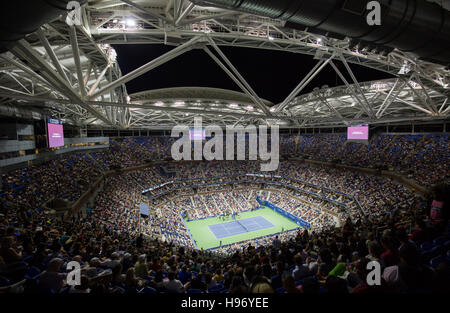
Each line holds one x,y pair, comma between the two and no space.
184,275
173,285
335,284
310,286
8,251
261,285
52,279
300,271
132,283
83,287
276,280
196,283
421,232
209,280
218,275
141,268
289,284
238,285
390,256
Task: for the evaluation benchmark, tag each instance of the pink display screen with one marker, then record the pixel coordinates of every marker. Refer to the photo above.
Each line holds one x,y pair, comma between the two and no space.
358,133
55,135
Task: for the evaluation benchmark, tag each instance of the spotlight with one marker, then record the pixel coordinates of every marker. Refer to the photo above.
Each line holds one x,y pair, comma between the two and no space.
130,22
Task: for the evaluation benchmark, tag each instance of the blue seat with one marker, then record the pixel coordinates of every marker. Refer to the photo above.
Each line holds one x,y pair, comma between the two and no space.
434,262
32,272
439,241
426,246
446,245
281,290
65,290
4,281
447,229
147,290
194,291
427,256
215,289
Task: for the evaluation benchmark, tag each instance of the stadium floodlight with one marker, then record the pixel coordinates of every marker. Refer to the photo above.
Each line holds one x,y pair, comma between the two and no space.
233,105
271,38
130,22
179,103
249,107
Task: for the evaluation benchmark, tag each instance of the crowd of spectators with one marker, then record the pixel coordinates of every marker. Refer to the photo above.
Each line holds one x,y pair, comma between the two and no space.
423,157
122,252
408,246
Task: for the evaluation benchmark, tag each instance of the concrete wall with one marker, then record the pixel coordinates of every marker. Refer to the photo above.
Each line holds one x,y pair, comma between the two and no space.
72,141
16,145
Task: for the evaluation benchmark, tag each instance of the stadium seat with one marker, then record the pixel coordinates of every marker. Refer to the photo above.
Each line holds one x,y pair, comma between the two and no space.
438,260
427,256
426,246
447,229
4,281
446,245
439,241
215,289
194,291
65,290
281,290
147,290
32,272
18,287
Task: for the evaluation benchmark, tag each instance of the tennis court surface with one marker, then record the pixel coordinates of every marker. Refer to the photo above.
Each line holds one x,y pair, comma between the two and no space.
212,232
238,227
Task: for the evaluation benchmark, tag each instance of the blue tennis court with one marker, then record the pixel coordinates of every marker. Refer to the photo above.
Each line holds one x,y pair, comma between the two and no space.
237,227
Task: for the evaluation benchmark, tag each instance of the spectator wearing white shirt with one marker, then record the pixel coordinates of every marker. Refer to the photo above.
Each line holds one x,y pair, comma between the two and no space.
300,271
173,285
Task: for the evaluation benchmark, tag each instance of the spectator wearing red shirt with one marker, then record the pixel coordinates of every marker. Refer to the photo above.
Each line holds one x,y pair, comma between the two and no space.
390,256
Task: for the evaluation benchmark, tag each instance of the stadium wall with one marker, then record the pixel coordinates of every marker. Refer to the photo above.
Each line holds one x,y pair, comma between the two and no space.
71,145
299,221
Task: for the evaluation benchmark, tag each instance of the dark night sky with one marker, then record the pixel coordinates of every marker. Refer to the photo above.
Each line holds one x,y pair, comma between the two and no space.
272,74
